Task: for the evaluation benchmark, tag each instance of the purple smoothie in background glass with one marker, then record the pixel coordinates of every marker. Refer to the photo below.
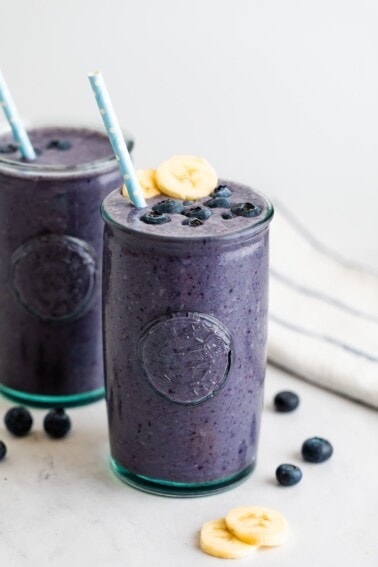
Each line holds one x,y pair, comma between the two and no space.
50,266
185,323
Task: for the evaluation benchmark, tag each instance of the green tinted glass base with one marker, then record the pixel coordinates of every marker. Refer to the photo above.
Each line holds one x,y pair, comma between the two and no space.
179,489
38,401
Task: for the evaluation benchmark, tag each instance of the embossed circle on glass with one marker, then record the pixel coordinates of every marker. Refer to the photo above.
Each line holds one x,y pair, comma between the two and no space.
185,356
54,276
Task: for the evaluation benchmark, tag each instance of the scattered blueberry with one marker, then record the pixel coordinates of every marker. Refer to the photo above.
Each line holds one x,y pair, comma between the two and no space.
316,450
59,145
57,423
169,206
227,216
286,401
3,450
201,213
193,222
219,202
8,149
187,203
153,217
245,210
18,421
221,191
288,475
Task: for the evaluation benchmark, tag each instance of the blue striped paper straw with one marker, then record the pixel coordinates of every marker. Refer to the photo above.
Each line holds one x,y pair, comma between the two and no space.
18,129
116,139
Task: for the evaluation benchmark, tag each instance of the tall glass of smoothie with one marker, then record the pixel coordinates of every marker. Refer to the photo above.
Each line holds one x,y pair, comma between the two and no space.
50,266
185,292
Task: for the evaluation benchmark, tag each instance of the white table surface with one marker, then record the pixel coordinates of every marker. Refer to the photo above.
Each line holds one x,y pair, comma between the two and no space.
61,505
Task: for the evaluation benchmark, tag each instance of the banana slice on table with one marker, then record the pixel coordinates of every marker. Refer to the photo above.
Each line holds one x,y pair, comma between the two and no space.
257,525
216,540
186,177
147,181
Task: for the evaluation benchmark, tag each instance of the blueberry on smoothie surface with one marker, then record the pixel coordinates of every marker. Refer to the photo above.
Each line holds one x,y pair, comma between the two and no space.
169,206
18,421
8,149
199,212
245,210
316,450
59,145
288,475
188,203
193,222
153,217
218,203
221,191
286,401
227,216
57,423
3,450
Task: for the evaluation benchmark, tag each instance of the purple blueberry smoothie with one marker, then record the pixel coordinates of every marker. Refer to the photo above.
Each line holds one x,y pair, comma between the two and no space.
185,323
50,266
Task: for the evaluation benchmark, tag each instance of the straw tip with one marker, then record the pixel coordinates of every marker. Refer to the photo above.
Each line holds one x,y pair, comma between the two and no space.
94,73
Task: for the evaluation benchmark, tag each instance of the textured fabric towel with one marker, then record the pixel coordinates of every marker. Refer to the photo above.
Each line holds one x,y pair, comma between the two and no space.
323,323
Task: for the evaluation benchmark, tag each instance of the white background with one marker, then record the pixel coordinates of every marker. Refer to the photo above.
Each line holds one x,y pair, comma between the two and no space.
281,94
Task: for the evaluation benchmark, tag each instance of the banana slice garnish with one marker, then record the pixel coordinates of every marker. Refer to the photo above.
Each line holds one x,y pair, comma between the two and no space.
147,182
216,540
257,525
186,177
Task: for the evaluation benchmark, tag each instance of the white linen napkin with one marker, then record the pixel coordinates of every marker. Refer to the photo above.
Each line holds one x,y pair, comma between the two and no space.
323,319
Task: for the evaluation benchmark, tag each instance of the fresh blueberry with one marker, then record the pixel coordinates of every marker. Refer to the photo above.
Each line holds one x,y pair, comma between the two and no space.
288,475
59,145
57,423
193,222
316,450
169,206
188,203
64,145
227,216
246,210
221,191
201,213
219,203
286,401
8,149
18,421
3,450
153,217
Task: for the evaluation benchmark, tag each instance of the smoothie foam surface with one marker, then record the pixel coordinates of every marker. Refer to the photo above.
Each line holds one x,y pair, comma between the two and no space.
60,146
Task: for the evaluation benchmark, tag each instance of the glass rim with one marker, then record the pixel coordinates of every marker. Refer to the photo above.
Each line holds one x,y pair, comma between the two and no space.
246,232
31,169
